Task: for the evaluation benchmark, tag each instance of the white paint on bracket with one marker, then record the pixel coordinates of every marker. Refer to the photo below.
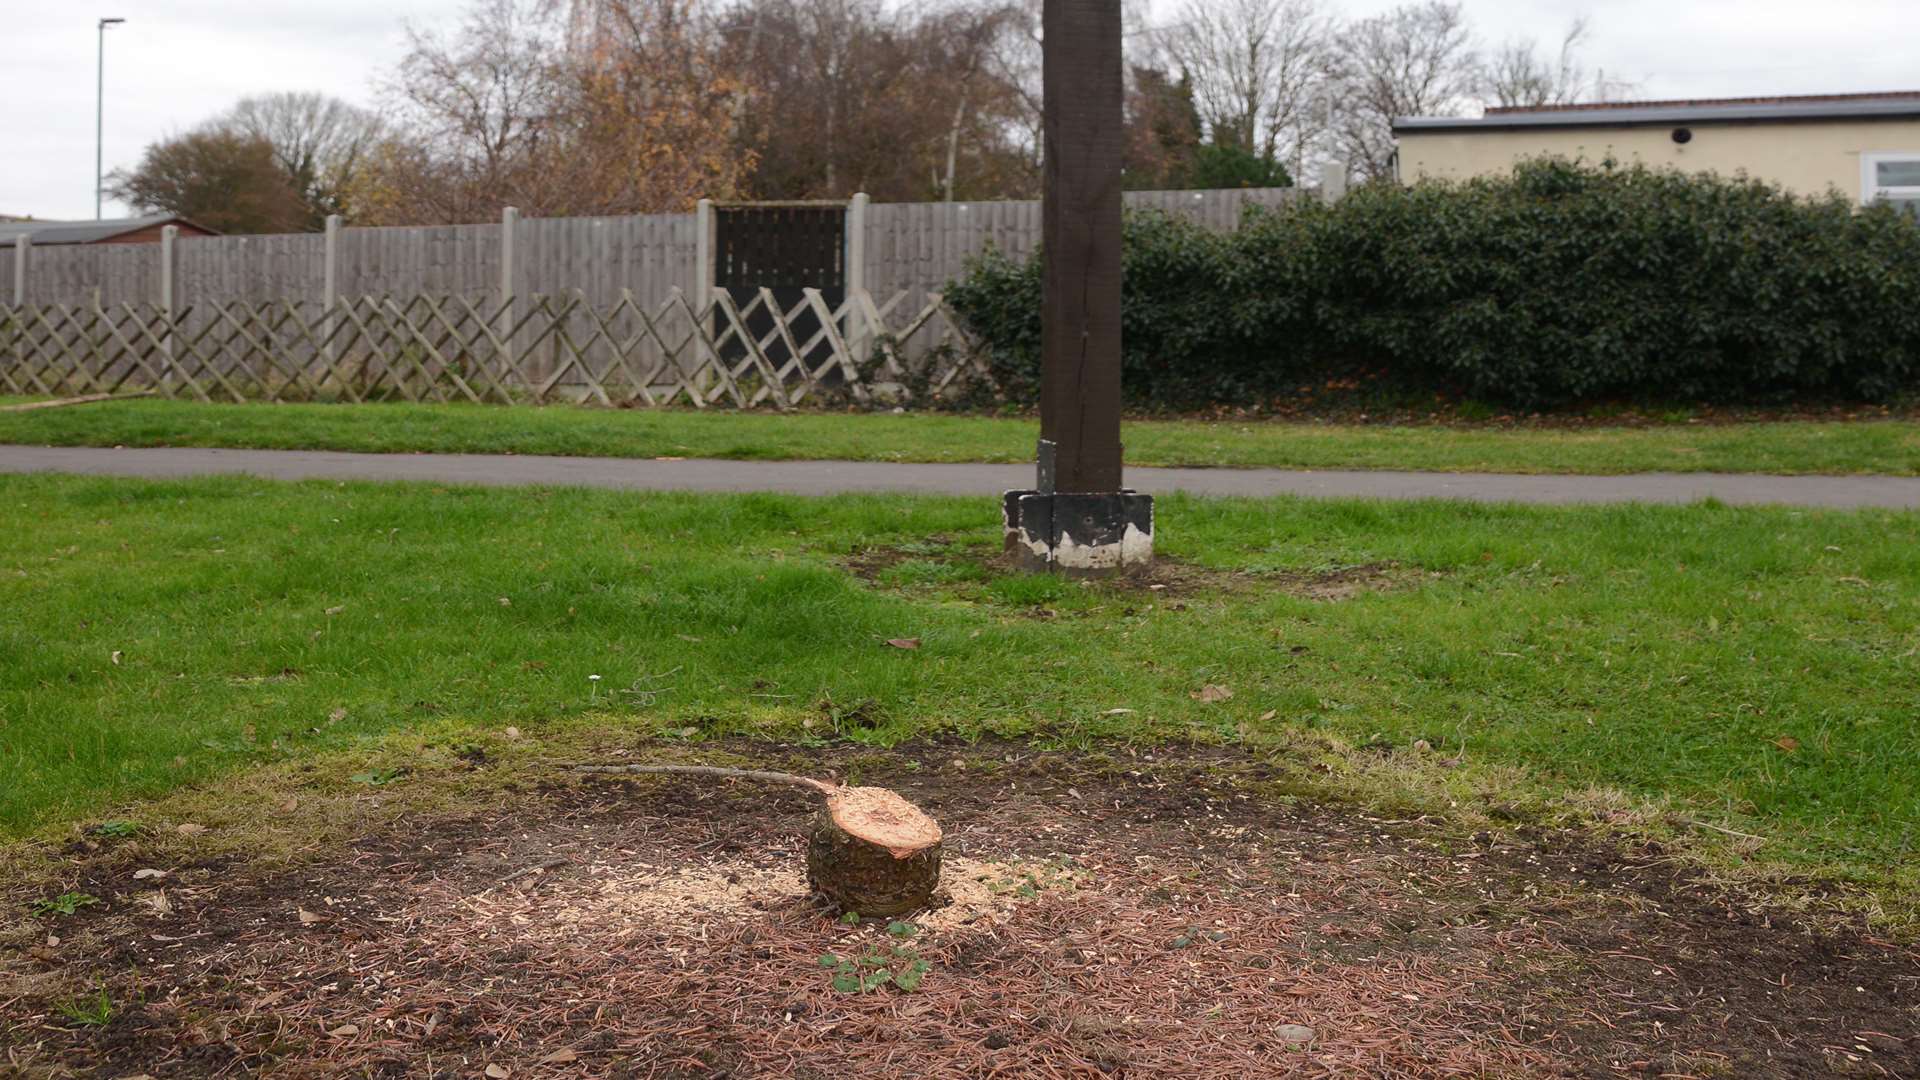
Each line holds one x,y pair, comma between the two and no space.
1134,549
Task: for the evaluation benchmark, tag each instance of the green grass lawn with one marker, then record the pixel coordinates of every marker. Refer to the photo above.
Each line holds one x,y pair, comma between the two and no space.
1891,447
1750,668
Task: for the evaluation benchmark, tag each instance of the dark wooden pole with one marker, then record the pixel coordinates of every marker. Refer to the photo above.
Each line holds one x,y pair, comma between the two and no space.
1079,520
1080,344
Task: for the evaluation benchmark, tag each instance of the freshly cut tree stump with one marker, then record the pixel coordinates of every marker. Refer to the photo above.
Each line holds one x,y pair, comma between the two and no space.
873,852
870,852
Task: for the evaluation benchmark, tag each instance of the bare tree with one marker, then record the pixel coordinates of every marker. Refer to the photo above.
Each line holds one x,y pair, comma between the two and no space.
957,46
906,102
320,142
1416,60
1256,67
521,107
1517,75
1015,62
477,106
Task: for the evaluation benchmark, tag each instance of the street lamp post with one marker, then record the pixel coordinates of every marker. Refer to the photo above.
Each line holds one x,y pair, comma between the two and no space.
100,114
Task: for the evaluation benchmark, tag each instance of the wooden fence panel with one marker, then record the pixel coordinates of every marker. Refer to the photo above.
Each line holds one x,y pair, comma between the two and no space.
919,247
619,289
219,269
438,260
445,349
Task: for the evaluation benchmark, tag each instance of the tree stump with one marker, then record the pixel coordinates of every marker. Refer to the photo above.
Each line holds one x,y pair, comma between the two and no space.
870,851
873,853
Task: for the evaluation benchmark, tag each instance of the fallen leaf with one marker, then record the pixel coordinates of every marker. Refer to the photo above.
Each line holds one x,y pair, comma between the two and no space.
116,656
308,918
1210,693
513,733
1270,714
148,874
290,805
336,610
904,642
53,940
1787,743
499,1072
1117,712
687,637
345,1030
505,602
189,829
563,1056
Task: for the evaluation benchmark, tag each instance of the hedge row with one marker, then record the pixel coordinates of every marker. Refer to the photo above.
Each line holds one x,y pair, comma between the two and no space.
1555,285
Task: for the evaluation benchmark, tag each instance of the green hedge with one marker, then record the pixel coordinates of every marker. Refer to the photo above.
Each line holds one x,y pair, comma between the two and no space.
1555,285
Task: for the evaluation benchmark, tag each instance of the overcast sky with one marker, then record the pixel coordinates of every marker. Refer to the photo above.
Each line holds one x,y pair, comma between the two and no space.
176,62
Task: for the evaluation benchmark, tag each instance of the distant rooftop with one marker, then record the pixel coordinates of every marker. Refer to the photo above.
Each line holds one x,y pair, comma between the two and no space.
1890,105
45,232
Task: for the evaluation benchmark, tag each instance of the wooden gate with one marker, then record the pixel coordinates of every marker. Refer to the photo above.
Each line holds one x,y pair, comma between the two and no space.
784,248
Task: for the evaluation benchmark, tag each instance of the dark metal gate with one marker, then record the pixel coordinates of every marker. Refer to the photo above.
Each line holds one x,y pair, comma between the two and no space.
785,248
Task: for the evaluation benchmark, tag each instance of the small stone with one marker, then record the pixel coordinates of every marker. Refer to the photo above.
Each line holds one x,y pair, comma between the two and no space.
1294,1034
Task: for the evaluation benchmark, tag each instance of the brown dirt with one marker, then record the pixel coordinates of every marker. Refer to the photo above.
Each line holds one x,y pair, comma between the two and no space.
1158,916
1167,575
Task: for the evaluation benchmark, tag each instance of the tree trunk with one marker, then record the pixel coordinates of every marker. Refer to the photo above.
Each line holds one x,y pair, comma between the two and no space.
953,141
873,853
870,852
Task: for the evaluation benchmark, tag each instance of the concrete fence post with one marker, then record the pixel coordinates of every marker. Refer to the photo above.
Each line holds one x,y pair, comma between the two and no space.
509,231
169,301
329,291
1333,181
22,248
21,257
857,330
702,290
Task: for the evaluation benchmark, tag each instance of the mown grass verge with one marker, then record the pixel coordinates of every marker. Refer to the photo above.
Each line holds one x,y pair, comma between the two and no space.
1832,447
1668,667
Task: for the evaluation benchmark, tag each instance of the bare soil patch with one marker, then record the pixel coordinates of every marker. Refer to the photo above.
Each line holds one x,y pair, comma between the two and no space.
1171,915
1166,575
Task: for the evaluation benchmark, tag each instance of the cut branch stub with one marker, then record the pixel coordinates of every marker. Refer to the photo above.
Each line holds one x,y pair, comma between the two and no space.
873,853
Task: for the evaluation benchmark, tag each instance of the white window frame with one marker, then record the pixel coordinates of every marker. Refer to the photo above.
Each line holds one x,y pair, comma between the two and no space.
1871,190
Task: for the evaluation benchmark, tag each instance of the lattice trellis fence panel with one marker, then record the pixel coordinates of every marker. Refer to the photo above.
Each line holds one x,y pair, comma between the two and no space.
529,350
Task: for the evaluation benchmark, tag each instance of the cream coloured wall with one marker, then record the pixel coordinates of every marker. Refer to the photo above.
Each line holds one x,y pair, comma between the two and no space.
1807,157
